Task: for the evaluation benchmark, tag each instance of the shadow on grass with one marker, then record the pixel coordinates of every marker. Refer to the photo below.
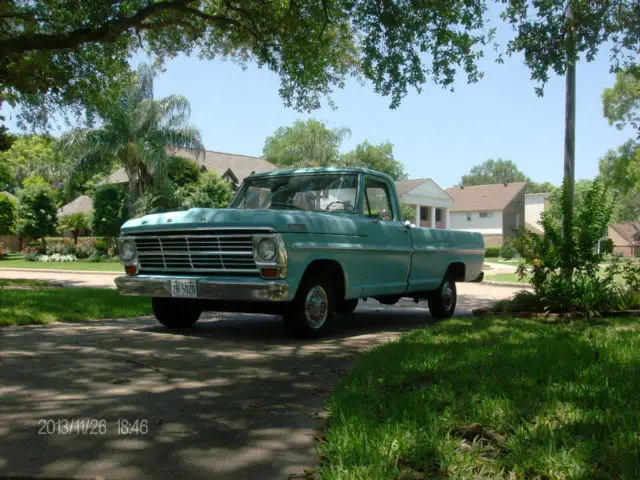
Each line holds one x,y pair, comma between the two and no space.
565,395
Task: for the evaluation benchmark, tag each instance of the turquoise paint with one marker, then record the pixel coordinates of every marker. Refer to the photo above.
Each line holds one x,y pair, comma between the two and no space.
377,257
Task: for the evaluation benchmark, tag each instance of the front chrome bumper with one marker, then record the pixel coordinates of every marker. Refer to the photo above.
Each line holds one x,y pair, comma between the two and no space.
208,288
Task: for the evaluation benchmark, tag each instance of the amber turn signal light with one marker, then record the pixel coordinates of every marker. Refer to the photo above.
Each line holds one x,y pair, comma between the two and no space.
131,269
269,272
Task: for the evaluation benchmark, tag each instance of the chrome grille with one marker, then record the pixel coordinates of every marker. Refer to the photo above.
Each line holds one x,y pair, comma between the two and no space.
197,253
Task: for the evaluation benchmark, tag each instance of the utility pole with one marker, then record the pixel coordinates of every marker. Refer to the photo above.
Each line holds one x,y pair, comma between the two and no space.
569,136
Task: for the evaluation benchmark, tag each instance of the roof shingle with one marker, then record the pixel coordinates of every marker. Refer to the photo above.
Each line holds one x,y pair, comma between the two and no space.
630,231
484,197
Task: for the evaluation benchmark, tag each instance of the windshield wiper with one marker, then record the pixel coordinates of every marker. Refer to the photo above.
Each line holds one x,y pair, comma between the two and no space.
287,205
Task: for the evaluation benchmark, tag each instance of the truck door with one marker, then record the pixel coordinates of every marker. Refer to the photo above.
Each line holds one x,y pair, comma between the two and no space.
386,240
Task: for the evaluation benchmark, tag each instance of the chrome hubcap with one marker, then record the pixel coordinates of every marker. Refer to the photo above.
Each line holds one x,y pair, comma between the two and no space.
448,295
316,307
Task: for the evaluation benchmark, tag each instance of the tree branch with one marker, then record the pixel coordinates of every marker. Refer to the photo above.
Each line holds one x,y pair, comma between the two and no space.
106,32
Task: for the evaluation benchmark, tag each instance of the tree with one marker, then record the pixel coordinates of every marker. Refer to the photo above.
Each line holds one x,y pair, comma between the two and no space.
210,192
75,223
37,155
582,189
621,103
7,214
109,211
544,187
8,182
136,130
182,171
494,171
6,139
304,144
55,53
376,157
36,213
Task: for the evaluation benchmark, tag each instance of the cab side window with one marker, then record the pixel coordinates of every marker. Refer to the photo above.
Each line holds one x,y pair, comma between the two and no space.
377,202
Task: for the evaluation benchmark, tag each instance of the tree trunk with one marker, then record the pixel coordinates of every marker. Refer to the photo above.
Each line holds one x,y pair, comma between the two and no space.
569,155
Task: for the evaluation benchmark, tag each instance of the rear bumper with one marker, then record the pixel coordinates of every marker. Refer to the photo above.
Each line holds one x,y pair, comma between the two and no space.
208,288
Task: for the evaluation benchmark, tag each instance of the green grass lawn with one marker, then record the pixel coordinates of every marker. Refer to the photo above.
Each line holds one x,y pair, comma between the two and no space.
18,262
5,282
40,306
504,277
565,396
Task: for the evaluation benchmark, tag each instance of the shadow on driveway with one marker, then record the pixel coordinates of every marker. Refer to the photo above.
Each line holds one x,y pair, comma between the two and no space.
234,397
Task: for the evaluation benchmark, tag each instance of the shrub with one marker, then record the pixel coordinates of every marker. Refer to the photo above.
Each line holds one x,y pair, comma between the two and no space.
109,211
492,252
7,214
565,269
101,246
30,253
61,246
508,250
4,252
36,212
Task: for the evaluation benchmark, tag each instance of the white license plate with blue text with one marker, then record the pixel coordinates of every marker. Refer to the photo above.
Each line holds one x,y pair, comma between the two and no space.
184,288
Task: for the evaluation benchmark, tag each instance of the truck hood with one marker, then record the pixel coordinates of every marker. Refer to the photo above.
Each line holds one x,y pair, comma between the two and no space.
284,221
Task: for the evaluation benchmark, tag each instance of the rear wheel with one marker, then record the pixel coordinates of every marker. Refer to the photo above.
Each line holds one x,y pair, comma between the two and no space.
443,302
310,314
347,307
176,312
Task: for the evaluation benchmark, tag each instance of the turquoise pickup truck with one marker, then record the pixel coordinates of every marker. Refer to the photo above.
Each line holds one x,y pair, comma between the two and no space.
305,244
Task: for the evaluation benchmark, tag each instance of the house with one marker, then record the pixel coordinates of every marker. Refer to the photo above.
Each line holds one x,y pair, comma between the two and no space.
432,202
82,204
534,205
230,167
626,238
496,211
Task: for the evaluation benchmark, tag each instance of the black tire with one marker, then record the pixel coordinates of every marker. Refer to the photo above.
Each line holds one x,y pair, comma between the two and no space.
442,304
176,312
346,307
304,324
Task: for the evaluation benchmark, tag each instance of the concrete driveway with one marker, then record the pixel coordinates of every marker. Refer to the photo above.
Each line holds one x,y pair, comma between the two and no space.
235,397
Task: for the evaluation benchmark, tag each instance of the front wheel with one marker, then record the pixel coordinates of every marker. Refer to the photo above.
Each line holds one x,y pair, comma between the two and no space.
443,302
176,312
310,314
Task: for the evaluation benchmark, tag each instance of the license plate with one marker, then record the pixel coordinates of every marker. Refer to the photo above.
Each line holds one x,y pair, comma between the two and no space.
184,288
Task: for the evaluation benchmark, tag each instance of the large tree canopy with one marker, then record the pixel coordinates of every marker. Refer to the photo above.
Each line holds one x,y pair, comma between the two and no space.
621,103
376,157
65,52
502,171
305,144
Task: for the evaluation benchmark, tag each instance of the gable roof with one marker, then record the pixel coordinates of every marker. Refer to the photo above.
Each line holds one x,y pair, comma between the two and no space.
81,204
405,186
484,197
630,231
240,165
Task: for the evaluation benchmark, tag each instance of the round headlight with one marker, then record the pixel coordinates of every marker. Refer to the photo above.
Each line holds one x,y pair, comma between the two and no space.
127,250
267,249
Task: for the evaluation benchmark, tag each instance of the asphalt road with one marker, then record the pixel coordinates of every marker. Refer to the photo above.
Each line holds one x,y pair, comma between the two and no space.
234,397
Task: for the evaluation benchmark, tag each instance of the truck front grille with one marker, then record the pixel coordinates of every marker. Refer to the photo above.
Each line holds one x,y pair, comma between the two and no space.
207,252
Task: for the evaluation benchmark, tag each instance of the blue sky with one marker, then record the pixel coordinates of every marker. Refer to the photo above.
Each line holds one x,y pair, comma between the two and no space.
436,133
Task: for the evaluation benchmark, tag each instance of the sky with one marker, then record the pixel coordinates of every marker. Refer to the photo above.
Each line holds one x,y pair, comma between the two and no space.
436,134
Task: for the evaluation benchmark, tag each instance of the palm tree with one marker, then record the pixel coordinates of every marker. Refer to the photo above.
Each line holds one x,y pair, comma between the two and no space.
136,130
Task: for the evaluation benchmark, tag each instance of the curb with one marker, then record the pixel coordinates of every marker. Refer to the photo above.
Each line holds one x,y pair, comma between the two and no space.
53,270
507,284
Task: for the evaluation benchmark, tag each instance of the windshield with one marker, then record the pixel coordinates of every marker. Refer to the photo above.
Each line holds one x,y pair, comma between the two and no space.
330,192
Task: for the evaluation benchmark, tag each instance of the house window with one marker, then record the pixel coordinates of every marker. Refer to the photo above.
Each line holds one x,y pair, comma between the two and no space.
468,217
423,213
486,214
